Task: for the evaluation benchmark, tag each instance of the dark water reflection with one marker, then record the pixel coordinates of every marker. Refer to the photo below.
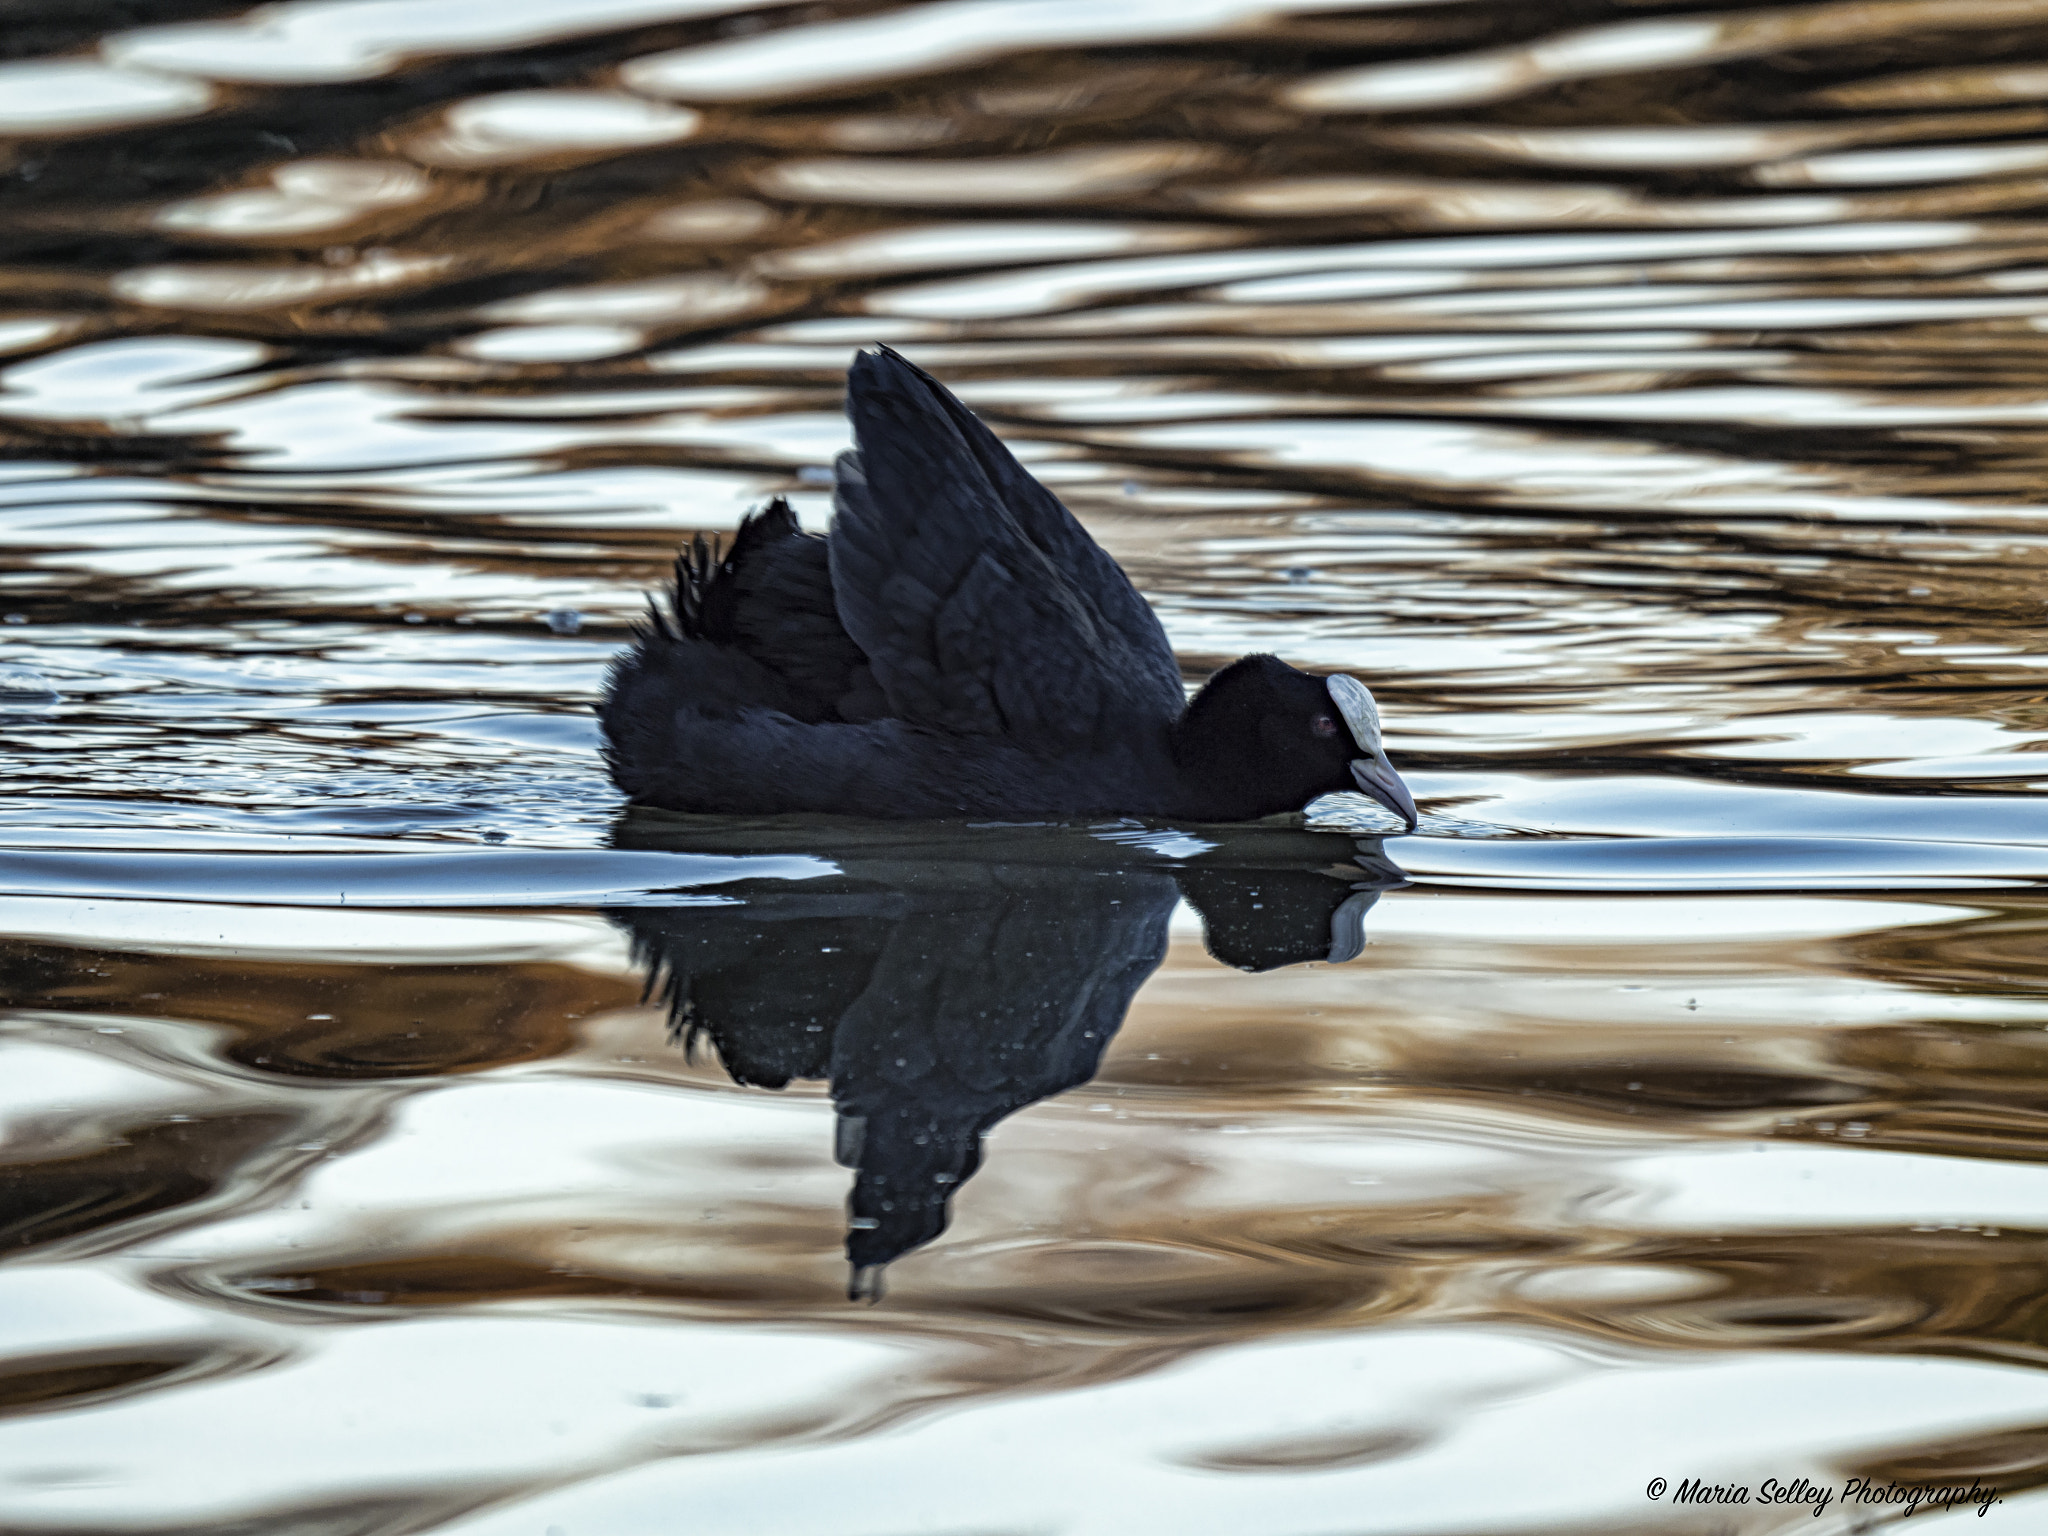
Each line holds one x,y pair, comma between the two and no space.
943,984
1645,398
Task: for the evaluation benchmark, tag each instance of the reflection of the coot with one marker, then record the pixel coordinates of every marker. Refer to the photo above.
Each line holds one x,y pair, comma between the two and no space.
943,982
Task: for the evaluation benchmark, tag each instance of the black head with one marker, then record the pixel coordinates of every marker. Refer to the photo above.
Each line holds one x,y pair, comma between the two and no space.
1262,737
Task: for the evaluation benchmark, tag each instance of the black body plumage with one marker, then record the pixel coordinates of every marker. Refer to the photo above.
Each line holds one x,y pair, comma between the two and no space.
957,645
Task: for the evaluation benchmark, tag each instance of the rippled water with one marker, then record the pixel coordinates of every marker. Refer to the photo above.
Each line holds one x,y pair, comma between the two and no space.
400,1137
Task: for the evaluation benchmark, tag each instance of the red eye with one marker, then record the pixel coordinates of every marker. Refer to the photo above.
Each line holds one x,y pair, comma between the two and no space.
1323,725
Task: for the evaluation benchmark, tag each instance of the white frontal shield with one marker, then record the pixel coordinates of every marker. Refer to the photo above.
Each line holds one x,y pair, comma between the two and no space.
1373,773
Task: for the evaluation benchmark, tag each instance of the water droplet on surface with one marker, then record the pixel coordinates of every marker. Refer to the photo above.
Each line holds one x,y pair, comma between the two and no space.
24,688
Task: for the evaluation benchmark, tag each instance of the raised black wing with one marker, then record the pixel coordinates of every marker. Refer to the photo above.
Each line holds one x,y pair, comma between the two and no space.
983,607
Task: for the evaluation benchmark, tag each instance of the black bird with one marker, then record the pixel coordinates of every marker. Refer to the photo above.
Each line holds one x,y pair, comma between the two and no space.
956,646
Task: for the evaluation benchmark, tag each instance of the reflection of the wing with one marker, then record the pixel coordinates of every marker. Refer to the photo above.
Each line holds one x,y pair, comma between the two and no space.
944,982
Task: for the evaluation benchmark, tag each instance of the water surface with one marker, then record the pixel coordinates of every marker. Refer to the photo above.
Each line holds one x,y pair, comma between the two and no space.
401,1136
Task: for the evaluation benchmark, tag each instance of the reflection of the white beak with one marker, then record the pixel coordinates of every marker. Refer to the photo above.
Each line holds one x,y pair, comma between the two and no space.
1347,926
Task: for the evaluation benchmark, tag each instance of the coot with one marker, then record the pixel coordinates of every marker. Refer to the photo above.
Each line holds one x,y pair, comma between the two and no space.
957,645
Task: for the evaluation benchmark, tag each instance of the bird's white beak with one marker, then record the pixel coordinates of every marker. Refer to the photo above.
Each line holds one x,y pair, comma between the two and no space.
1373,773
1376,776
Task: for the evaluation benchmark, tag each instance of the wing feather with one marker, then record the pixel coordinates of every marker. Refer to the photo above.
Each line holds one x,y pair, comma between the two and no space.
982,606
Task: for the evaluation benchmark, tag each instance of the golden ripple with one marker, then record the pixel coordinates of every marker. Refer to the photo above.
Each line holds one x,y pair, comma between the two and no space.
1312,1453
304,197
150,1168
2010,1460
1092,172
519,126
473,1279
328,1019
86,1378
